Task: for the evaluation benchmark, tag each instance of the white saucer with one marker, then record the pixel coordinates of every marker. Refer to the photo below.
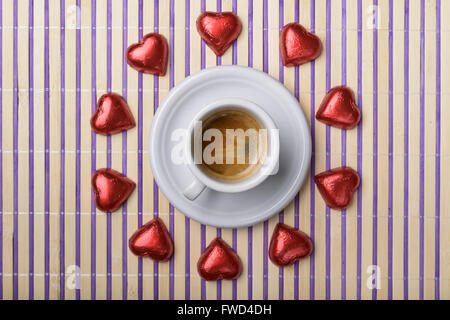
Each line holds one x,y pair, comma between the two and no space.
223,209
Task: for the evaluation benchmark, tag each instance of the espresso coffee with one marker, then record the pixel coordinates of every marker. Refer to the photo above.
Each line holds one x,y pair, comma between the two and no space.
233,145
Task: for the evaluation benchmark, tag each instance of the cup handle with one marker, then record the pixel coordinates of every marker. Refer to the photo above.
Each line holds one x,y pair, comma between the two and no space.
194,190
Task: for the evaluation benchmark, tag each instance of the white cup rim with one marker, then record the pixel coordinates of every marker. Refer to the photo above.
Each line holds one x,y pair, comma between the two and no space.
270,165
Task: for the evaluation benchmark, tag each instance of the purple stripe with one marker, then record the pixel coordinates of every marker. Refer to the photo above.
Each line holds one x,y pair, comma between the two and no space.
219,231
187,250
297,197
187,264
391,147
108,160
234,284
406,146
156,105
1,152
47,147
250,229
359,204
202,248
219,62
328,150
234,293
344,156
62,199
124,154
281,215
266,223
312,265
422,150
375,146
219,282
250,264
93,151
202,46
438,150
140,143
16,160
187,223
172,84
31,150
265,261
78,145
203,227
297,226
235,43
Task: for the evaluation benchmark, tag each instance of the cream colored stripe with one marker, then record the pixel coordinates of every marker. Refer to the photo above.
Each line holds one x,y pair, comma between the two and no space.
116,81
258,229
195,230
39,143
414,148
164,23
383,146
211,233
305,199
367,160
336,150
86,111
242,233
320,221
430,147
101,223
70,144
179,223
352,148
289,82
23,179
399,148
132,156
55,143
227,234
445,163
273,69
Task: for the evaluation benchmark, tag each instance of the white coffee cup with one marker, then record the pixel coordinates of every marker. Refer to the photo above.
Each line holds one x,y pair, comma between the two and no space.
269,164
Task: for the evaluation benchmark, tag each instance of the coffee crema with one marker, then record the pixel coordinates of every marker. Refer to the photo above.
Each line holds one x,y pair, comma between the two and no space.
234,145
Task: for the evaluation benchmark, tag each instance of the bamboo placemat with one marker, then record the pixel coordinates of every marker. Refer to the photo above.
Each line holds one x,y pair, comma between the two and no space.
59,56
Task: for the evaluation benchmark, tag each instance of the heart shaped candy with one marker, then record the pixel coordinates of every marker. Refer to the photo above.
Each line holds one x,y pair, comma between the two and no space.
338,109
219,261
112,116
111,189
219,30
298,46
152,240
337,186
288,245
149,55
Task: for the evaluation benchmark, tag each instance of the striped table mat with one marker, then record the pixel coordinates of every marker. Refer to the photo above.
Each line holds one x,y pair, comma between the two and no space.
59,56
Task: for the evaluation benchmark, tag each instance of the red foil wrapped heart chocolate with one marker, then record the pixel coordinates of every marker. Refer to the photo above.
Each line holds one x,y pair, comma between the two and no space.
111,189
152,240
112,116
219,261
219,30
337,186
289,245
149,55
338,109
298,46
